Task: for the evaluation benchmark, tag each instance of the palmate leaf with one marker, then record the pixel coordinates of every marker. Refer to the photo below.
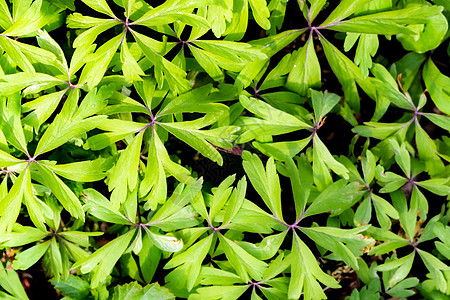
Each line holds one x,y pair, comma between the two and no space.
335,198
245,264
305,273
13,83
346,72
390,22
343,10
322,161
98,62
188,264
73,120
266,182
273,121
437,86
269,46
230,18
10,205
368,43
26,20
430,36
305,73
11,284
84,171
333,239
97,261
165,71
134,291
10,122
197,140
225,292
61,191
267,248
119,183
100,207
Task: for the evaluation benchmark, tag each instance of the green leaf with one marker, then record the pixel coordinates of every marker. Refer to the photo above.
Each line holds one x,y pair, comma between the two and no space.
438,86
208,63
84,171
267,248
315,8
323,103
427,151
131,69
348,194
65,127
7,160
100,207
100,6
120,183
282,151
214,276
79,237
383,209
180,197
62,192
10,123
323,155
98,62
225,292
402,267
379,131
235,202
164,242
42,108
24,260
333,239
343,10
13,48
10,205
368,166
345,70
440,120
438,186
244,263
430,35
134,291
10,280
220,197
176,170
175,76
266,182
273,122
436,268
73,287
390,22
194,139
190,261
260,13
97,261
363,213
22,235
305,73
305,273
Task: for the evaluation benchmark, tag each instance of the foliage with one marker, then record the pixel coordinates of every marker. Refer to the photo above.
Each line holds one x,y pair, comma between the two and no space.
105,107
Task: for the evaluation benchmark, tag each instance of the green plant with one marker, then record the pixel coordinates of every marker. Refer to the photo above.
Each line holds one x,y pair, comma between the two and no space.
344,154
